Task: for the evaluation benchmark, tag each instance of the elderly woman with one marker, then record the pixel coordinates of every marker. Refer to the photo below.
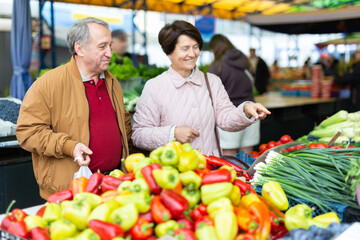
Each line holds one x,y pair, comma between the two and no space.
177,103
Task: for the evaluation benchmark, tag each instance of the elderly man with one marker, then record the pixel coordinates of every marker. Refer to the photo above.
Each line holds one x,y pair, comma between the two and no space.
74,115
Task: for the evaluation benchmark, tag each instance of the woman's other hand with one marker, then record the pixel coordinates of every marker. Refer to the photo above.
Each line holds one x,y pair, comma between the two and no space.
185,134
256,110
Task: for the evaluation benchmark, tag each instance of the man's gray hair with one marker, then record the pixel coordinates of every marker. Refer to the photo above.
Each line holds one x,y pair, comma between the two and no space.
79,32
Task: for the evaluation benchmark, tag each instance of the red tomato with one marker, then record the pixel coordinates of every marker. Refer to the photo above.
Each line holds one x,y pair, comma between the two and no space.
255,154
292,148
321,145
312,145
271,144
278,143
262,147
300,146
285,139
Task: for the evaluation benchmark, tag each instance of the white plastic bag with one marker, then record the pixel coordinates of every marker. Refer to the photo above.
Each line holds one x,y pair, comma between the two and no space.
84,171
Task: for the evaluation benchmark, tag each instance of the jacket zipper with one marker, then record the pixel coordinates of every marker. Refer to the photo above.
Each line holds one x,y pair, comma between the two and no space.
89,114
122,138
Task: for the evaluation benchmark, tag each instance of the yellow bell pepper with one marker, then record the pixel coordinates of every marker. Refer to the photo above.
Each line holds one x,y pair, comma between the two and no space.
132,159
325,219
248,199
116,173
176,145
273,193
235,196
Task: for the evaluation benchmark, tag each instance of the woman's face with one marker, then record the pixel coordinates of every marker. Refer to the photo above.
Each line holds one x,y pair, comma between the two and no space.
185,55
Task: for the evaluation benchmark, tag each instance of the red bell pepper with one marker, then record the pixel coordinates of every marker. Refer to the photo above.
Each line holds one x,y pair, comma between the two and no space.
147,216
204,220
244,187
245,236
202,172
213,160
217,176
141,230
184,234
281,231
9,219
41,211
110,183
105,230
60,196
19,229
199,212
175,202
127,177
40,233
159,212
149,178
19,214
93,185
275,222
186,223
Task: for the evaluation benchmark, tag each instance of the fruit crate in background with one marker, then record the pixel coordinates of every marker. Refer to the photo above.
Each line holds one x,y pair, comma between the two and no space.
245,157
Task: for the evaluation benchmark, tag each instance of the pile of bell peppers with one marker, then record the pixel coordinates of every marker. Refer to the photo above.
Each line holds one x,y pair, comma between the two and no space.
171,192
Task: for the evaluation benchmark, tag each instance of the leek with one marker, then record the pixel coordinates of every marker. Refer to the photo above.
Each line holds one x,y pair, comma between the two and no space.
355,117
325,132
340,116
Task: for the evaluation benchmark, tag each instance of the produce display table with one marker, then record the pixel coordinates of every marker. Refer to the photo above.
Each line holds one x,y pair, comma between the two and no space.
295,116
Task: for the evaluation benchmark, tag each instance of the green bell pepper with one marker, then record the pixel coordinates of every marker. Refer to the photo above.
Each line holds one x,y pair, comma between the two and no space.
33,221
87,234
186,147
139,185
226,226
167,177
77,212
190,180
62,229
298,216
139,165
52,213
156,154
165,228
103,211
91,198
188,161
169,156
192,196
142,202
205,232
212,192
125,216
219,205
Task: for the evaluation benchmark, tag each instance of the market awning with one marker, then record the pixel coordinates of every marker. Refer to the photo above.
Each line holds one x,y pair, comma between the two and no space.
225,9
345,19
352,39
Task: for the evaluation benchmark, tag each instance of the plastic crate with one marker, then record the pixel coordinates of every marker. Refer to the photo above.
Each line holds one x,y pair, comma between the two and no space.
245,157
338,208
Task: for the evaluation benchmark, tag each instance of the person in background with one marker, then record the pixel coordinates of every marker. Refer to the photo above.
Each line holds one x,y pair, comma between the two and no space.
74,115
232,67
275,69
261,72
176,104
306,69
120,46
352,78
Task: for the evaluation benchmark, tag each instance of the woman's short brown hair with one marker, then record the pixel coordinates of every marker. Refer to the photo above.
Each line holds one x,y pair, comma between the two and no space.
170,33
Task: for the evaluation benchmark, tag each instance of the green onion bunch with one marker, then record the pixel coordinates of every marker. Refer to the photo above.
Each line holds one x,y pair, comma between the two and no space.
317,176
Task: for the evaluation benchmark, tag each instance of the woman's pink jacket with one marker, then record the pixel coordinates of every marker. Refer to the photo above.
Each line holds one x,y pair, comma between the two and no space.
169,99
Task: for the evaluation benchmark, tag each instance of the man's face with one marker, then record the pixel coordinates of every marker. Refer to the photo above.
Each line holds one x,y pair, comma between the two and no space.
119,45
96,54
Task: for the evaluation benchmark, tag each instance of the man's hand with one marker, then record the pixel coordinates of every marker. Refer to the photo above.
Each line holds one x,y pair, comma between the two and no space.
256,110
185,134
81,154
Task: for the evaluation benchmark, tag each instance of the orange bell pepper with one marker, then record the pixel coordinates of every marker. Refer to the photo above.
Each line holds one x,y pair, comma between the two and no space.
78,185
109,195
262,215
246,220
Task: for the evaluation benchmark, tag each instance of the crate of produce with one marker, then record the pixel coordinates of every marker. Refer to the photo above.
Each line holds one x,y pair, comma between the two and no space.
245,157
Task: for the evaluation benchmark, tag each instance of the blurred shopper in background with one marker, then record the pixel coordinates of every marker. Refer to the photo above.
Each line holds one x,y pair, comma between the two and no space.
74,115
260,71
352,78
177,104
306,69
120,46
232,67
